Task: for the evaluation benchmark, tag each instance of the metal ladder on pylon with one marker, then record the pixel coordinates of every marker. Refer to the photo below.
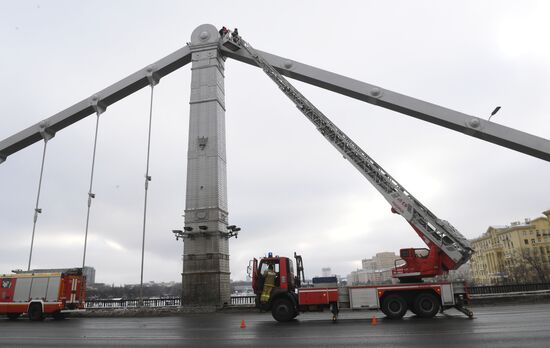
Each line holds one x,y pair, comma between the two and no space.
438,231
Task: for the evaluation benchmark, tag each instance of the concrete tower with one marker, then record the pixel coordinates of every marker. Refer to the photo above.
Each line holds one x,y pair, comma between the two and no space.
206,252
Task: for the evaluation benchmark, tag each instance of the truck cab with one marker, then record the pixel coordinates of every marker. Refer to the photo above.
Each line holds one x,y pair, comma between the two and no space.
275,285
279,273
279,290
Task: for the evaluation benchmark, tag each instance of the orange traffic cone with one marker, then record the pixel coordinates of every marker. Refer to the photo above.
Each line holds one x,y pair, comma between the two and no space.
243,325
374,321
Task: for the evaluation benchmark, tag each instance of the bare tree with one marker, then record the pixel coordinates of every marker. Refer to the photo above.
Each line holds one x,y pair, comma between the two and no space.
526,266
533,259
518,270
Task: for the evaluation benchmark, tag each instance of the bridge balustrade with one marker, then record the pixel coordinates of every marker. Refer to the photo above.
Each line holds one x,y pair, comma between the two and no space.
248,300
507,288
157,302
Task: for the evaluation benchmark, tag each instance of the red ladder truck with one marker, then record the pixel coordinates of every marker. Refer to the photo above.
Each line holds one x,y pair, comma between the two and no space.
290,295
41,294
447,249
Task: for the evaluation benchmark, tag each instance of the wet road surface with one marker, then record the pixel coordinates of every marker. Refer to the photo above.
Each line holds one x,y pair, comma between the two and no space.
525,325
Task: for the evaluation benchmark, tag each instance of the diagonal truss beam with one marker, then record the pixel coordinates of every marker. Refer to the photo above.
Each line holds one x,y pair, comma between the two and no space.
101,100
458,121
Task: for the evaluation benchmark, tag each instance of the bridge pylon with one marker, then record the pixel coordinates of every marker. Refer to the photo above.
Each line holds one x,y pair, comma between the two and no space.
206,273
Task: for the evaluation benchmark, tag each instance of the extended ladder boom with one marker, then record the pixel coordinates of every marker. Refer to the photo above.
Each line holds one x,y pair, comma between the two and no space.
426,224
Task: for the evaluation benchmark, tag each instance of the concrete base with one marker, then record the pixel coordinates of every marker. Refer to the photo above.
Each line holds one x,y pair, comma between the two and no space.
207,287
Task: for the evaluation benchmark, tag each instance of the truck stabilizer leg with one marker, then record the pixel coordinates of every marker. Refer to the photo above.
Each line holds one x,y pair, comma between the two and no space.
465,310
335,311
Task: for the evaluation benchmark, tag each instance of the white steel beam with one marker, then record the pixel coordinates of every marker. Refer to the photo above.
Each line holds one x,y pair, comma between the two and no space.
101,99
458,121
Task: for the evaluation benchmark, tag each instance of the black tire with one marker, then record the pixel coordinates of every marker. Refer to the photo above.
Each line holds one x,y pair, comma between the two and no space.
59,316
426,305
35,312
283,310
13,316
394,306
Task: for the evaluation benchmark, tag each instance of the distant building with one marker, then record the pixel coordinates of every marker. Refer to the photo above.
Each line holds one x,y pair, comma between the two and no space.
363,276
89,272
383,260
241,287
376,270
518,253
326,272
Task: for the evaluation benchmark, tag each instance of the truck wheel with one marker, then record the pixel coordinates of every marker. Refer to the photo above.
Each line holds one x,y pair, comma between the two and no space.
426,305
283,310
35,312
394,306
13,316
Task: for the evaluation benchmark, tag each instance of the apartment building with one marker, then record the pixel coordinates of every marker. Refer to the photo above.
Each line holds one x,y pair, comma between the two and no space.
515,253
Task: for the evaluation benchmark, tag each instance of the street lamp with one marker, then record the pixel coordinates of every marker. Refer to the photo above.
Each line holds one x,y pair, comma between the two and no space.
178,234
182,234
494,112
232,231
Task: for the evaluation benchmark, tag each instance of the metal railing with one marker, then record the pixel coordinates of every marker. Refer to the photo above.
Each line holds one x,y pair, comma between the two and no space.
248,300
133,303
508,288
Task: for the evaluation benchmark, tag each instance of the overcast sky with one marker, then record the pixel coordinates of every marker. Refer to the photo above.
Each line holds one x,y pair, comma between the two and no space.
288,188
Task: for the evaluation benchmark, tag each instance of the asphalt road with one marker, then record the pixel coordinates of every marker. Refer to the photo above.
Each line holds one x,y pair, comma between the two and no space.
525,325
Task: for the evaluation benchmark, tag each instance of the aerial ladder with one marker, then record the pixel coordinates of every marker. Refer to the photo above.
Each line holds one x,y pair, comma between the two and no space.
448,248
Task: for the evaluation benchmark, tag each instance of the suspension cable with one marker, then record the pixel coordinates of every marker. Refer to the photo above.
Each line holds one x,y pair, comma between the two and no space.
153,80
46,135
99,109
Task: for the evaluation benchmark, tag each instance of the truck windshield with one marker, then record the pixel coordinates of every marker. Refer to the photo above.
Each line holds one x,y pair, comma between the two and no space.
265,265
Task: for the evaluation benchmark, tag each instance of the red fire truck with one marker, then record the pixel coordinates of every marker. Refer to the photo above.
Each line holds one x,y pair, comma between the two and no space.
41,294
287,295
